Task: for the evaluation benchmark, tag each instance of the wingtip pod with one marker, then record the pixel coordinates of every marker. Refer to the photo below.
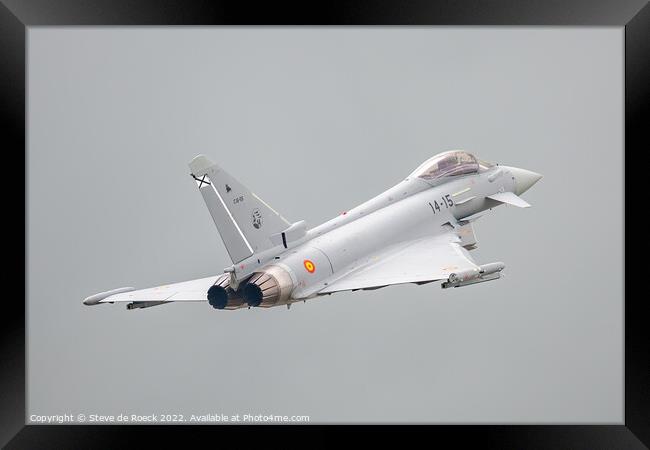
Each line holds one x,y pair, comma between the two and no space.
97,298
200,164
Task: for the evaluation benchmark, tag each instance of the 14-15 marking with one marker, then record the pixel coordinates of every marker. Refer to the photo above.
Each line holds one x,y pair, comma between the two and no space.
446,201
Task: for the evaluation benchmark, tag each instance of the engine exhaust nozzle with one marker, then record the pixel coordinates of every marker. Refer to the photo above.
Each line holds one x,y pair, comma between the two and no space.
222,296
268,288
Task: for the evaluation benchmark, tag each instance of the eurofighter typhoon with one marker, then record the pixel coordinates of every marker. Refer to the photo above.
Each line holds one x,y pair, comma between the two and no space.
418,231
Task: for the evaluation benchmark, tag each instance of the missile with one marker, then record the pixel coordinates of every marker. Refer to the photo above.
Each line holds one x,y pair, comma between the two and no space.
486,272
136,305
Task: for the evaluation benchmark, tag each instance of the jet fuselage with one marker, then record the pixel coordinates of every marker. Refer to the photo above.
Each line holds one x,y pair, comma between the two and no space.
412,209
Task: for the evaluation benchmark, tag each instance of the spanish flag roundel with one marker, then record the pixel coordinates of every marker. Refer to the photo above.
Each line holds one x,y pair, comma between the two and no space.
309,266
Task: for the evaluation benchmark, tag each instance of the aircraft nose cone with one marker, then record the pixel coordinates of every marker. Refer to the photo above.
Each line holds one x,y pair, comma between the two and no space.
524,179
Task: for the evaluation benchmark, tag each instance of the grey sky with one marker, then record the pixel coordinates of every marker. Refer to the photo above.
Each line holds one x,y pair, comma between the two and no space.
316,121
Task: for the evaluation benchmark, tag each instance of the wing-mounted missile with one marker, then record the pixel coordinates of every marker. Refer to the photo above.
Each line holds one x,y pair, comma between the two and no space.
138,305
486,272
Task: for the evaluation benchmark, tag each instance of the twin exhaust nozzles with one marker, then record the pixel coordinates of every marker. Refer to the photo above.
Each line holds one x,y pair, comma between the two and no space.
267,288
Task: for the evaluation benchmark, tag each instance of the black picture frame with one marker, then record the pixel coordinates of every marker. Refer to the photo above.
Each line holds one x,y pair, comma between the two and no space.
16,16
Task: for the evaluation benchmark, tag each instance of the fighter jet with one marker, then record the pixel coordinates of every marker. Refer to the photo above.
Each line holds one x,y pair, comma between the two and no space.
418,231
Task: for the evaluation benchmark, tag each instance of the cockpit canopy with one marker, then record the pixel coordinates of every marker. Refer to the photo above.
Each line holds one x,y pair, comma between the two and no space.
447,164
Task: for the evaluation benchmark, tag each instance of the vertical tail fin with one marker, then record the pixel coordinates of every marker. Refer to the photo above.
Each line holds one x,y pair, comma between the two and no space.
245,222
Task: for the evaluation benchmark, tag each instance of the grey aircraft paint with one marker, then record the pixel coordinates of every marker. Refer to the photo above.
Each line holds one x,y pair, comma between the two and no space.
418,231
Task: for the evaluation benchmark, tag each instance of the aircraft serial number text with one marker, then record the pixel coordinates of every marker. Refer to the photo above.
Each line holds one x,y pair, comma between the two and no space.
446,201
